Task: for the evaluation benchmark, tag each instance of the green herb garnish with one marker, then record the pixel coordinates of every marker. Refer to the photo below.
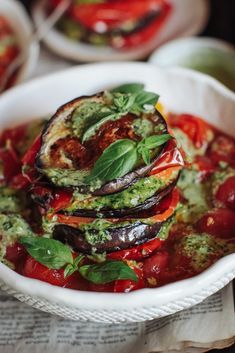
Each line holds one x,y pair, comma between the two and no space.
55,255
121,156
107,271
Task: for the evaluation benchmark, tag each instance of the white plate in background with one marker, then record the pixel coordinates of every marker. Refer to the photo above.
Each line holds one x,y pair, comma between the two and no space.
22,27
188,17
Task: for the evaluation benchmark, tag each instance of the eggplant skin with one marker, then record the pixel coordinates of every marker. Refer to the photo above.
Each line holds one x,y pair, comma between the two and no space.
56,123
120,238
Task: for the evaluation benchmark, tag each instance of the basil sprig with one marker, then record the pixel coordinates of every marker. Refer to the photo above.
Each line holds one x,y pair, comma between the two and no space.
120,157
55,255
129,98
107,271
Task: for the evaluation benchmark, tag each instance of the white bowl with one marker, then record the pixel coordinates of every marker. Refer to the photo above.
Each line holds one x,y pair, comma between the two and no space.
188,17
181,91
22,26
176,51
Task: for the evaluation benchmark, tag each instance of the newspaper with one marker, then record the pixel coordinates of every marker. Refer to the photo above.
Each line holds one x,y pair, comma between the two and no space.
210,324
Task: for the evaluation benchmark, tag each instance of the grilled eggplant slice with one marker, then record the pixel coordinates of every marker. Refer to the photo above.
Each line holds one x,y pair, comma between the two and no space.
66,158
117,238
140,196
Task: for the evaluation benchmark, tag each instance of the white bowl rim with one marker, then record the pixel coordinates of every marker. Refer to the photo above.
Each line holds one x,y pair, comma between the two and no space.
194,42
200,286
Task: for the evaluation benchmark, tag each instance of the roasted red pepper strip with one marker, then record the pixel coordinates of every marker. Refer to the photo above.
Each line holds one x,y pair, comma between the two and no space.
171,157
137,253
61,200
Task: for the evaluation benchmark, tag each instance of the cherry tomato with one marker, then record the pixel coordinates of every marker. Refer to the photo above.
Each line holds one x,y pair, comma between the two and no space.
218,222
205,165
107,287
222,149
34,269
198,131
126,285
154,265
15,253
226,193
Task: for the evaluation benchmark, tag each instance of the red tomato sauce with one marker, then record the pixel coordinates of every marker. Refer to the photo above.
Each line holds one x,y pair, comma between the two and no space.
199,230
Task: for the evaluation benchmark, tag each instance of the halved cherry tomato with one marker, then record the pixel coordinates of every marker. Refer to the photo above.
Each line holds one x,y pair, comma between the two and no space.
222,149
226,193
137,253
218,222
154,265
195,128
204,164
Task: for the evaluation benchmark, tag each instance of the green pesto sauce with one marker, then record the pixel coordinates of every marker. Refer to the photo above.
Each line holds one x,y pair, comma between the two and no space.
9,200
202,248
11,228
143,127
136,194
196,194
187,145
65,177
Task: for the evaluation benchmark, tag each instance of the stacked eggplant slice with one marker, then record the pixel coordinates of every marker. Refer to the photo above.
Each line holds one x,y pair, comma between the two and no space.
109,169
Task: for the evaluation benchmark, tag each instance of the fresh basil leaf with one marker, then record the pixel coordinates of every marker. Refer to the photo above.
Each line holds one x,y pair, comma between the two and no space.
128,88
71,268
49,252
117,160
145,98
145,153
123,102
107,272
154,141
